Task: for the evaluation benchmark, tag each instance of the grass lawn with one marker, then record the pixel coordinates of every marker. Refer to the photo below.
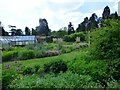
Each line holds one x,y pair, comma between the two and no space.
42,61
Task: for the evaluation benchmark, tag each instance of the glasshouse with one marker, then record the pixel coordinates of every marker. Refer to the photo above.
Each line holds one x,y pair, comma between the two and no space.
18,40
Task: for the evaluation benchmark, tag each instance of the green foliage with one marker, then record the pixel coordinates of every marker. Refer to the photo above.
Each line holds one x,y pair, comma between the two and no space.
7,48
66,50
34,32
34,64
100,71
19,32
37,67
62,80
94,67
114,68
59,34
39,51
69,38
27,70
55,67
10,73
8,56
8,76
27,31
81,73
72,37
23,55
4,33
106,41
49,39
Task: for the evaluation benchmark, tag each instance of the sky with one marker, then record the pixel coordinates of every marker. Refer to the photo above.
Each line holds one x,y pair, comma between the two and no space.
58,13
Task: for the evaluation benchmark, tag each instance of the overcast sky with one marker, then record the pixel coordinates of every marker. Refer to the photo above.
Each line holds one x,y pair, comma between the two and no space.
58,13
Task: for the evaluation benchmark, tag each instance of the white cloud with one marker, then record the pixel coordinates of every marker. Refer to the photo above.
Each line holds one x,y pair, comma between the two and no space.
57,12
27,12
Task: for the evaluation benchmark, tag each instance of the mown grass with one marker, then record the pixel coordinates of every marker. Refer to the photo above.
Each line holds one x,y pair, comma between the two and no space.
42,61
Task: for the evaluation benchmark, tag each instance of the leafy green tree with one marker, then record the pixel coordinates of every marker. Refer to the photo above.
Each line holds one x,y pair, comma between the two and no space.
116,15
13,32
60,33
106,13
83,26
72,37
93,19
70,28
19,32
43,28
27,31
78,28
34,32
4,33
88,24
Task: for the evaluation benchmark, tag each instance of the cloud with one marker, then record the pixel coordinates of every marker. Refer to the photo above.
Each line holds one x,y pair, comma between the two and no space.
58,13
27,12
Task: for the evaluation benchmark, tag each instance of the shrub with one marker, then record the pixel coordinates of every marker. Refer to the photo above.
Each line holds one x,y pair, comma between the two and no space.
62,80
39,53
69,38
105,41
29,47
81,35
49,39
113,69
101,71
37,67
72,37
10,73
55,67
96,69
26,54
66,50
7,48
7,77
27,70
50,53
8,56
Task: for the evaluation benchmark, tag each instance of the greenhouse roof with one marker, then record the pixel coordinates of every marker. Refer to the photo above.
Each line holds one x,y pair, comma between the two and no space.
7,39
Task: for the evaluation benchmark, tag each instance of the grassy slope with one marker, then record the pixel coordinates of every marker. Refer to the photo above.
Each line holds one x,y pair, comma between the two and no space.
42,61
66,57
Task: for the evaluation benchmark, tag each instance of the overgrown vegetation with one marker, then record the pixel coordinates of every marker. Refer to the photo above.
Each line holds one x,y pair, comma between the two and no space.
72,37
94,67
55,67
106,41
38,51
